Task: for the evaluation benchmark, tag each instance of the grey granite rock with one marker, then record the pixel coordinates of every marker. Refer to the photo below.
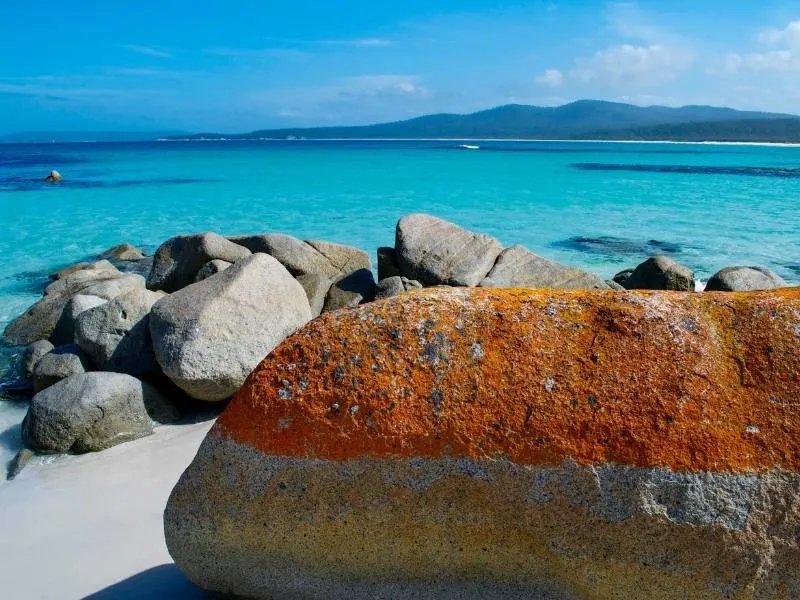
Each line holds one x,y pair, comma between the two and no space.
36,323
354,289
392,286
208,336
517,267
177,261
660,273
387,263
64,333
93,411
74,282
99,265
31,355
621,277
58,364
434,251
124,252
744,279
116,335
316,288
211,268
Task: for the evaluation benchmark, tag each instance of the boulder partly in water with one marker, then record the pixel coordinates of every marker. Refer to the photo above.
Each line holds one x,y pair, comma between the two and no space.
744,279
487,443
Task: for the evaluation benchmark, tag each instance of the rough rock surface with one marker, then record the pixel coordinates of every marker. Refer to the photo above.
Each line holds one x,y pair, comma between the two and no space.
177,261
621,277
518,267
58,364
124,252
64,333
354,289
436,252
660,273
387,263
209,336
744,279
392,286
31,355
74,282
116,335
316,288
99,265
211,268
487,443
311,257
93,411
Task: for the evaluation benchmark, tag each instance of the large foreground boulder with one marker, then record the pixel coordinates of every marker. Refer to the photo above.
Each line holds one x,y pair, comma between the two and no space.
209,336
116,335
744,279
436,252
486,443
659,273
178,260
93,411
517,267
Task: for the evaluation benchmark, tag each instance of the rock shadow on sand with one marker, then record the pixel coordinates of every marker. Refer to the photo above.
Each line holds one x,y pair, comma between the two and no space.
159,583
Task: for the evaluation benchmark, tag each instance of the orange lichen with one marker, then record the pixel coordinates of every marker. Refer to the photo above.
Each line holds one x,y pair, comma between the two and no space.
688,381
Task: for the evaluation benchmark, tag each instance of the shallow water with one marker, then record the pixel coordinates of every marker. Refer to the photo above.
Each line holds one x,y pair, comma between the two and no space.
600,206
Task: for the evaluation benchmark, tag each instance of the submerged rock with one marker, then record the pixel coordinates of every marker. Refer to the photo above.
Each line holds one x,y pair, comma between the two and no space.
116,335
92,412
177,261
208,336
436,252
517,267
616,431
58,364
660,273
123,252
744,279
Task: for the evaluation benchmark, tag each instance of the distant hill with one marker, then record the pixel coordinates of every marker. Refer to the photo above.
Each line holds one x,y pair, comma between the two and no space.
43,137
585,119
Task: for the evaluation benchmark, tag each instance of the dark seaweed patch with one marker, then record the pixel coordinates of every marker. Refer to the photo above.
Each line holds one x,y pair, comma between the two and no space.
26,282
615,246
21,184
794,269
38,160
693,170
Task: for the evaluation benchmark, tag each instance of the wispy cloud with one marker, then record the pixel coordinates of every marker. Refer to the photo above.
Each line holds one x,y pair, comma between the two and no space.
551,78
146,50
781,54
228,52
357,42
633,65
135,72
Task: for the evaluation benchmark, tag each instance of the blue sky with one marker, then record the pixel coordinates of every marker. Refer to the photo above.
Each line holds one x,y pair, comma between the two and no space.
246,64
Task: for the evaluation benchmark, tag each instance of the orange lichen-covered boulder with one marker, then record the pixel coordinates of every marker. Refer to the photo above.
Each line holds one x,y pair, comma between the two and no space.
487,443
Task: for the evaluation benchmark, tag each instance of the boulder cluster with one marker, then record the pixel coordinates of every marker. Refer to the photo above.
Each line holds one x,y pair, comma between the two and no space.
126,335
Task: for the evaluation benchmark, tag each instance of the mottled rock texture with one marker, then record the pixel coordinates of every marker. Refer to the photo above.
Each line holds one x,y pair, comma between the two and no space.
437,252
659,273
31,355
744,279
93,411
210,335
211,268
519,267
58,364
177,261
486,443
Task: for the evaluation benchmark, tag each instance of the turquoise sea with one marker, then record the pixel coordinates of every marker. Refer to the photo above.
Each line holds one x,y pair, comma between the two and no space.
600,206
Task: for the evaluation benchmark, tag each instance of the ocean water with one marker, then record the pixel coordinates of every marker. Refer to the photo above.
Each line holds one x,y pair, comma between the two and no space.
599,206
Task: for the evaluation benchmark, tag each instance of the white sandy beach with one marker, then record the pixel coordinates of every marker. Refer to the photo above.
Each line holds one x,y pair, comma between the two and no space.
90,526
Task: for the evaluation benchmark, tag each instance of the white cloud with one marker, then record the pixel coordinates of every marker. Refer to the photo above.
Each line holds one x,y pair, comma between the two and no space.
146,50
551,78
361,42
783,57
790,36
257,53
375,85
633,65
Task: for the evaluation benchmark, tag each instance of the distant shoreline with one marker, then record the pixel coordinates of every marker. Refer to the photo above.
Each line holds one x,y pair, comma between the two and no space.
519,140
